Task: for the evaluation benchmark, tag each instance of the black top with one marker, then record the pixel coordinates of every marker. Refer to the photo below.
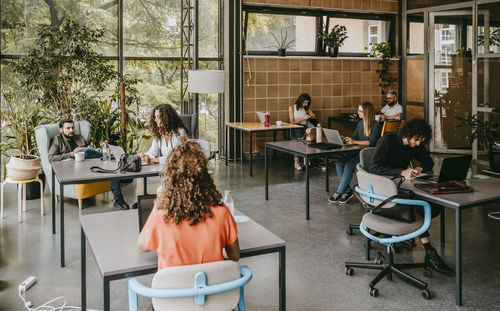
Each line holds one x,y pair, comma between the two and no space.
72,144
391,156
374,135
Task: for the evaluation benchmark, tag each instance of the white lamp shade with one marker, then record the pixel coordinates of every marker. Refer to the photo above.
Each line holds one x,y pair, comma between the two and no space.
206,81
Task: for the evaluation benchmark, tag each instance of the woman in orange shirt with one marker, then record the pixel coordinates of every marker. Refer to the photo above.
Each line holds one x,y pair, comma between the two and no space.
189,223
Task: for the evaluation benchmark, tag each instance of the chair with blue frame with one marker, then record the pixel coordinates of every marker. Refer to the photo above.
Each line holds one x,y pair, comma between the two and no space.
222,281
381,192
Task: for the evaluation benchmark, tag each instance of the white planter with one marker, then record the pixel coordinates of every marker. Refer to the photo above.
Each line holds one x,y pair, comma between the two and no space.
22,169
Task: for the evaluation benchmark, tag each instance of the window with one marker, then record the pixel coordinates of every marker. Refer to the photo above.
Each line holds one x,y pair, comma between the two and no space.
416,38
361,33
373,34
265,32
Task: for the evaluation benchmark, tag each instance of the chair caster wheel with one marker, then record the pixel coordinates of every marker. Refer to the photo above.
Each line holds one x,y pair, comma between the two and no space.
426,294
348,231
349,271
427,273
374,292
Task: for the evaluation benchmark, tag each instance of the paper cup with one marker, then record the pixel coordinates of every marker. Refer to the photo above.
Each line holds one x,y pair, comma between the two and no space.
79,156
279,123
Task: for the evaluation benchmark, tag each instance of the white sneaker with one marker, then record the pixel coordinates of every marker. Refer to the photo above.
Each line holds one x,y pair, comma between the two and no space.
298,166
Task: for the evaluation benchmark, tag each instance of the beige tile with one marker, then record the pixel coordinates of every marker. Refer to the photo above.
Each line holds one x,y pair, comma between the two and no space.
356,65
336,65
356,89
272,65
305,78
284,78
337,90
346,65
283,91
272,104
326,78
248,91
283,64
272,78
316,90
316,65
306,64
316,77
326,90
261,64
326,65
355,77
346,77
261,78
260,105
346,90
294,65
248,105
283,104
261,91
294,77
336,77
272,91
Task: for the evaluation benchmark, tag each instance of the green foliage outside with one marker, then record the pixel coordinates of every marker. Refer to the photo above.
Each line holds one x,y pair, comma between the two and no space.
383,53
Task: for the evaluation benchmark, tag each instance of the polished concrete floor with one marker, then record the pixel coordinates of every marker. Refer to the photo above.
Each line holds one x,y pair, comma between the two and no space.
315,251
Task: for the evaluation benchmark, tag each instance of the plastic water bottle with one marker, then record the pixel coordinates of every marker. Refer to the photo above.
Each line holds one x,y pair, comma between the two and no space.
228,201
267,121
106,152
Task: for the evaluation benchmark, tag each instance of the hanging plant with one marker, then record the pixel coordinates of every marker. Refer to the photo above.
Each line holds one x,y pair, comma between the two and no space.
382,52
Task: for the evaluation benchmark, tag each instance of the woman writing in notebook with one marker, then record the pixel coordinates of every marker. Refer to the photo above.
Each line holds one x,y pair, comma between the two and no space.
301,114
168,131
189,223
367,133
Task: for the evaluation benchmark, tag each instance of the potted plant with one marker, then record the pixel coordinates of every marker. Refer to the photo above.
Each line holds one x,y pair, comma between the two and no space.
383,53
19,116
486,133
334,39
282,42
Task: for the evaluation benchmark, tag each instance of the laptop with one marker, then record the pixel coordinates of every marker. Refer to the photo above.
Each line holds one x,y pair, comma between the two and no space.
333,136
262,116
145,204
454,168
117,151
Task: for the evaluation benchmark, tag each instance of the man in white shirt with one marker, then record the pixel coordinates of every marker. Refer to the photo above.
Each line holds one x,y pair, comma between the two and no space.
393,110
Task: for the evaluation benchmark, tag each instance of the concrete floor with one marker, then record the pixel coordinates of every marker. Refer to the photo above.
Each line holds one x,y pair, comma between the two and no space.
316,250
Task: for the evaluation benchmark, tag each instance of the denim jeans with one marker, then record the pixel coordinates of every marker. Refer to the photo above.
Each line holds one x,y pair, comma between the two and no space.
91,153
345,167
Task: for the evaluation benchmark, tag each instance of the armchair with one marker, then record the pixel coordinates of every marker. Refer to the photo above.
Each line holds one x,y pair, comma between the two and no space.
381,192
44,135
219,280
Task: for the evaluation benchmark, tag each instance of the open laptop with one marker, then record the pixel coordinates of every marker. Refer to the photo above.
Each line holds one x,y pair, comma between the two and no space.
145,204
454,168
333,137
117,151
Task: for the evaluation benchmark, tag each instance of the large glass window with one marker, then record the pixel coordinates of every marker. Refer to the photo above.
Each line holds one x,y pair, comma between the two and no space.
488,36
361,33
267,32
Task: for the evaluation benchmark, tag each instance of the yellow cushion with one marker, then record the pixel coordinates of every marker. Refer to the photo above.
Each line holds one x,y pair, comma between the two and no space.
84,191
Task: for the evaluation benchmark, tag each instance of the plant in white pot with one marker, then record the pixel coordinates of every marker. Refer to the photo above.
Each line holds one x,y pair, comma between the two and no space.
19,115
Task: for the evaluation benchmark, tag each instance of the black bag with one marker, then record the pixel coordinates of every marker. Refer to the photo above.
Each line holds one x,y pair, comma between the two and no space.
127,163
405,213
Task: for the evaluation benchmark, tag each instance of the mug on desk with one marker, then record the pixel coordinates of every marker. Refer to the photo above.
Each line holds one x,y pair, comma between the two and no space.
79,156
379,118
279,123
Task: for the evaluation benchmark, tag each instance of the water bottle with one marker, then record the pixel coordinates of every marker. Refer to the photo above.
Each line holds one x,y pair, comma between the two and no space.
106,152
319,133
267,122
228,201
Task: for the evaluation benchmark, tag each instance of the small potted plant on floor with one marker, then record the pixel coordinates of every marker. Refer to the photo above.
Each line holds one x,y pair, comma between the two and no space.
282,42
487,134
334,38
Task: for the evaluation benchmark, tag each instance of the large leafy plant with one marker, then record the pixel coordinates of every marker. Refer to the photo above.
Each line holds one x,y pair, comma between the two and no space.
335,37
63,66
485,132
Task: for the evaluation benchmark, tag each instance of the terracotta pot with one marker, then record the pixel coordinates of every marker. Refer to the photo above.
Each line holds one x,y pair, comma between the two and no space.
26,168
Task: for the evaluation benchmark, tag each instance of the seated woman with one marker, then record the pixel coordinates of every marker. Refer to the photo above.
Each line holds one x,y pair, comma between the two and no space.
189,223
300,113
367,133
167,129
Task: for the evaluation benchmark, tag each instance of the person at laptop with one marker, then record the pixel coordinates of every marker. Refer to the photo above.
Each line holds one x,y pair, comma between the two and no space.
168,130
189,223
67,143
301,114
367,133
392,158
393,110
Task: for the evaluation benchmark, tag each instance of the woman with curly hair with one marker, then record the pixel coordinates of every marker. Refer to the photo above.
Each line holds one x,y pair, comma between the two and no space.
189,223
167,129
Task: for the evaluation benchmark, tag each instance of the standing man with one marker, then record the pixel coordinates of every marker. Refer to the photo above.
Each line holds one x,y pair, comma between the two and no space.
65,145
393,110
392,158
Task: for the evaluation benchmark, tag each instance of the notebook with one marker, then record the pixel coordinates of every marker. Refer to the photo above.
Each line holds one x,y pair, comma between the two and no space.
446,187
454,168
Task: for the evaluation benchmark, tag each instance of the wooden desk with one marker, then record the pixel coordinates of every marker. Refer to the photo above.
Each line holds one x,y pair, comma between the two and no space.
300,148
72,172
252,127
485,191
113,240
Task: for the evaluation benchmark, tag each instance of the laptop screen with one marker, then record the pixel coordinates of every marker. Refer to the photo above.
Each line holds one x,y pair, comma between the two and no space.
145,204
455,168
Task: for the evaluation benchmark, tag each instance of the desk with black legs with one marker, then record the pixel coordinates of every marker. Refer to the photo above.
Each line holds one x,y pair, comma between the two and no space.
300,148
113,240
485,191
71,172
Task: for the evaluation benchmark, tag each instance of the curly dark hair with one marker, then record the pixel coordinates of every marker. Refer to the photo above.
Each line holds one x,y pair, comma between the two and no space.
416,128
187,190
171,122
301,99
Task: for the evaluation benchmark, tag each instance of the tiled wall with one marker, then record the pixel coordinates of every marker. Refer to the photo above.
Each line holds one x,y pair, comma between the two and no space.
336,85
358,5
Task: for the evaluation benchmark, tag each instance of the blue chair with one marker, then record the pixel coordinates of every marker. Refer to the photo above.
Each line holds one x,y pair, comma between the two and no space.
381,192
219,281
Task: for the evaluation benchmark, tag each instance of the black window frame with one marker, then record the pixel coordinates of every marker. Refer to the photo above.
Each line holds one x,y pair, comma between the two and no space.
320,15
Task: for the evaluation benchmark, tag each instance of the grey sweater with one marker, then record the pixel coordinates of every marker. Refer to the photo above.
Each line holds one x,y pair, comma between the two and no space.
60,149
